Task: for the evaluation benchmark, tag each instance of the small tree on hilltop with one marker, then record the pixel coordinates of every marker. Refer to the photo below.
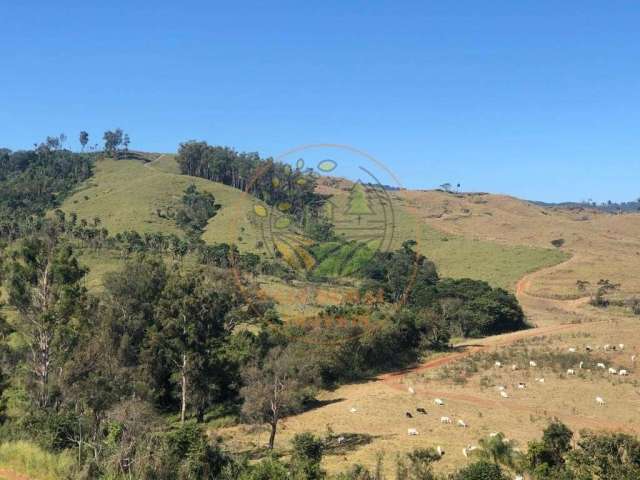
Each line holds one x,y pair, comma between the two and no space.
112,140
84,139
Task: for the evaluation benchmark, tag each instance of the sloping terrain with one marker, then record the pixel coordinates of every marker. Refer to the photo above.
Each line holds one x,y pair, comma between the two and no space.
603,245
456,254
129,195
132,195
468,381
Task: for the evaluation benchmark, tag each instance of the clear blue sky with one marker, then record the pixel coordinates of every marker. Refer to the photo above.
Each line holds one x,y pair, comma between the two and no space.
540,99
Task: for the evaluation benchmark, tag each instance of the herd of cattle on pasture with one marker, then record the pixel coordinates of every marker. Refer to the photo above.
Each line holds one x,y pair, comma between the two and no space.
447,420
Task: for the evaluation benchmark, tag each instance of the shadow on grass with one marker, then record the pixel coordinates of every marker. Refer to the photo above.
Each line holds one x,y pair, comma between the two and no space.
315,403
340,444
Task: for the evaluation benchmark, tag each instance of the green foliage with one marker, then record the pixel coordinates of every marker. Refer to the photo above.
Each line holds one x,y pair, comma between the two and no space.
417,465
44,286
187,337
194,457
445,306
498,450
403,275
196,210
481,470
32,182
606,455
113,140
292,190
307,454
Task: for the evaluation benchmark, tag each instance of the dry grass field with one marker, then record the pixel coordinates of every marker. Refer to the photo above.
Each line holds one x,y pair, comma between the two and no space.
468,381
602,246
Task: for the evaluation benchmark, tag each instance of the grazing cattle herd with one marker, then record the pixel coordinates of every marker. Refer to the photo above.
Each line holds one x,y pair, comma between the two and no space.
502,389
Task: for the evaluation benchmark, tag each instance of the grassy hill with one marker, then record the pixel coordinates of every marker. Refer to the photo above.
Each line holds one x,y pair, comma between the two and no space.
602,245
128,194
455,254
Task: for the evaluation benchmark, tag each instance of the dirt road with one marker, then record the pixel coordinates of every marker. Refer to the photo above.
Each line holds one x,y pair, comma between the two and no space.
563,311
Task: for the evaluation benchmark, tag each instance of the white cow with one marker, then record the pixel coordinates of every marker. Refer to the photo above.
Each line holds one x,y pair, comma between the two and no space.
621,346
498,364
445,420
468,449
504,394
522,385
600,401
412,431
623,373
514,367
440,450
581,365
571,371
532,363
572,350
606,347
540,380
353,410
601,365
613,371
461,423
438,402
411,390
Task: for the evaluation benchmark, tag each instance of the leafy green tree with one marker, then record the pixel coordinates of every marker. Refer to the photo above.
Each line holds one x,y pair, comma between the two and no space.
605,455
196,210
129,305
190,333
112,141
498,450
307,455
481,470
417,465
45,287
84,139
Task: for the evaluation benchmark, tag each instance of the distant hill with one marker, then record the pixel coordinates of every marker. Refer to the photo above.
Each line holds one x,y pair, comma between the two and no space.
609,207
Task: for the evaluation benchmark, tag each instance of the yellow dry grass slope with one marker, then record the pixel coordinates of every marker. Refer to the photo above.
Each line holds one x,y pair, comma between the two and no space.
456,254
602,245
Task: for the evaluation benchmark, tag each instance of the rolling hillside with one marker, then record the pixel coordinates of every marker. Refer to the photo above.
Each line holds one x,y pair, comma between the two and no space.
128,194
457,254
602,245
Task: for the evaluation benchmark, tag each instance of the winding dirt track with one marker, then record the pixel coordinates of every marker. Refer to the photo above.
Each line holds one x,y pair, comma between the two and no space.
530,303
